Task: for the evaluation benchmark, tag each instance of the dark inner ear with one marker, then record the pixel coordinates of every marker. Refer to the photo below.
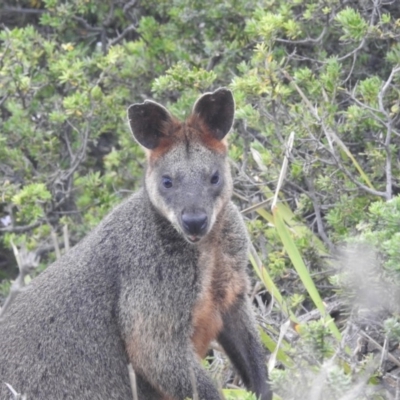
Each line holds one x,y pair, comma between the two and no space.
148,122
216,110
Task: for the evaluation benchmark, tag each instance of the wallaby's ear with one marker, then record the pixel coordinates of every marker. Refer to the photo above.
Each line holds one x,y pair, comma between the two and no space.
148,122
216,110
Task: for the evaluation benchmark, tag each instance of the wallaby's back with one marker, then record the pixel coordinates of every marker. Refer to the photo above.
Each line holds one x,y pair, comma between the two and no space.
152,285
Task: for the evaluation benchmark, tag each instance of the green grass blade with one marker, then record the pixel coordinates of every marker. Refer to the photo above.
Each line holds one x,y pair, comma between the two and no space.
301,268
269,343
266,279
353,160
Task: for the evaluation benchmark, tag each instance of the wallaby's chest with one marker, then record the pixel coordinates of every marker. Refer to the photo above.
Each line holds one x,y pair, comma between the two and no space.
221,283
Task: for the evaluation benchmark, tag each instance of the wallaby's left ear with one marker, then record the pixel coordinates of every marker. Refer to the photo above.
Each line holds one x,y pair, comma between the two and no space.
216,110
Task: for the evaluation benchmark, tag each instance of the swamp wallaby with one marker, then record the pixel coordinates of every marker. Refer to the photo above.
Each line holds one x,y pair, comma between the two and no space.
161,276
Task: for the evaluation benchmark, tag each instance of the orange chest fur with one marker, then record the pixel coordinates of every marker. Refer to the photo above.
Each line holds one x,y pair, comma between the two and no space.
220,286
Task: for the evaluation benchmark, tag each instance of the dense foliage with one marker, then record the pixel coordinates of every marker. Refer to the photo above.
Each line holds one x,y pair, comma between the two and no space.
327,71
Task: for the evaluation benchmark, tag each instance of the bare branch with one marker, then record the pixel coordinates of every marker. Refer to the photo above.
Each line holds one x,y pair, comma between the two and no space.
350,74
391,358
82,151
194,385
46,249
55,243
129,5
27,261
318,216
66,238
372,111
110,15
17,396
356,182
132,379
304,41
86,25
385,87
20,229
388,138
283,172
256,207
20,10
4,98
130,28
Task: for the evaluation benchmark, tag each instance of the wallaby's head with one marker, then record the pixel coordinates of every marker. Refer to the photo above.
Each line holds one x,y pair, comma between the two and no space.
188,178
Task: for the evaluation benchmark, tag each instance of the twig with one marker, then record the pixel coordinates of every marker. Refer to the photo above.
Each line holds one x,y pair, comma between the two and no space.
385,88
86,25
318,215
110,15
132,379
27,261
20,229
4,98
239,196
315,314
359,47
55,243
388,138
130,28
372,111
282,174
20,10
66,237
46,248
214,60
255,207
391,358
17,396
129,5
272,359
82,151
194,385
356,182
304,41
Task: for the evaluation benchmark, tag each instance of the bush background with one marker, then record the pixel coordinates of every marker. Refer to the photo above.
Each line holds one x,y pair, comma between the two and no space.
326,70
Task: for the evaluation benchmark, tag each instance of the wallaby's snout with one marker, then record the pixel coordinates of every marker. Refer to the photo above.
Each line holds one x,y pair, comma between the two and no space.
195,224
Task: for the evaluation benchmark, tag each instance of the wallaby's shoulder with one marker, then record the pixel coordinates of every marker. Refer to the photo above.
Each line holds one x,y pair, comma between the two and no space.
125,230
234,226
131,210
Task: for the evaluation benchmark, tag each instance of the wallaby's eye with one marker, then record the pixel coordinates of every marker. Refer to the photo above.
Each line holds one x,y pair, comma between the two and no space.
167,182
215,178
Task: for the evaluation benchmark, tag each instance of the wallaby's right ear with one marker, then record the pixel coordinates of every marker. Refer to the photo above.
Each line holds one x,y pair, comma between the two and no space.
148,122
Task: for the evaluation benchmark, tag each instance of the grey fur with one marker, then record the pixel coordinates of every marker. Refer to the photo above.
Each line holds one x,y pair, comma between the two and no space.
137,290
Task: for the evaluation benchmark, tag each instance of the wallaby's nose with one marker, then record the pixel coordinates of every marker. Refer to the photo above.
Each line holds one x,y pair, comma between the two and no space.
194,223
